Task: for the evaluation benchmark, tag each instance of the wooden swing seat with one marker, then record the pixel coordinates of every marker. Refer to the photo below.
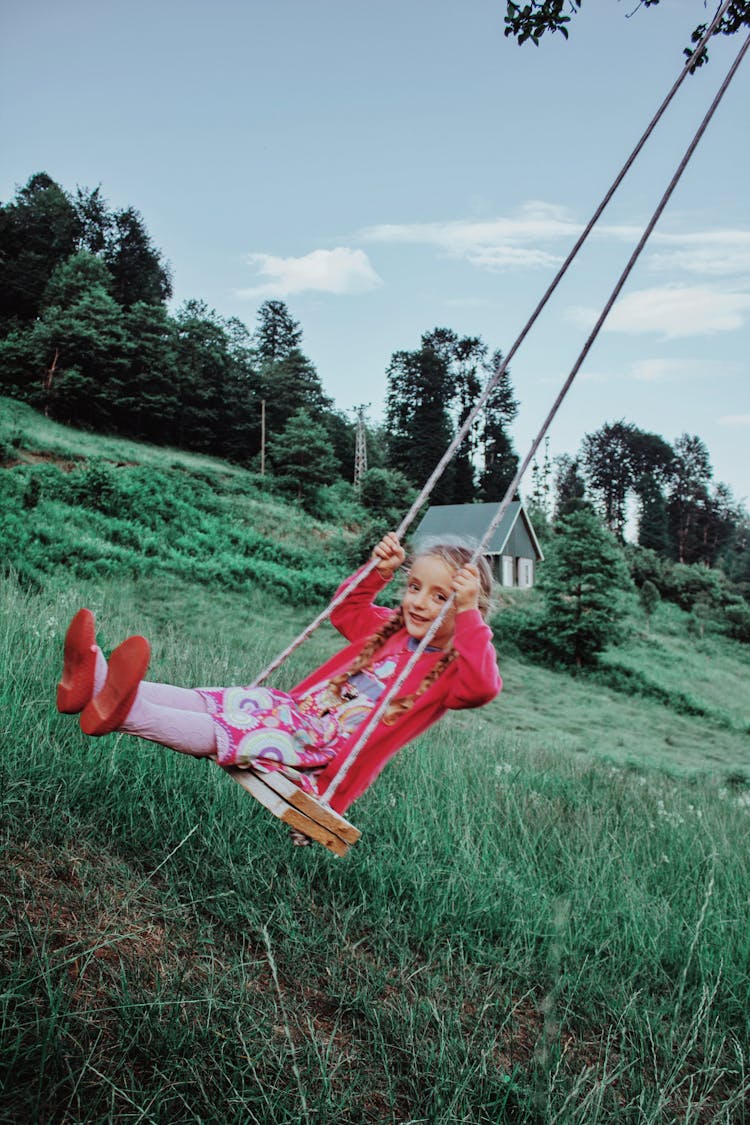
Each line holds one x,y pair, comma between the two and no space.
298,809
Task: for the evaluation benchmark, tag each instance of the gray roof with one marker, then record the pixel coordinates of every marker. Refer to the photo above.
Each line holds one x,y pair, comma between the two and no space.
470,522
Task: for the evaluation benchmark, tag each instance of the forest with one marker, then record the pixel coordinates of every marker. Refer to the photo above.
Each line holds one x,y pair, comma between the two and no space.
88,338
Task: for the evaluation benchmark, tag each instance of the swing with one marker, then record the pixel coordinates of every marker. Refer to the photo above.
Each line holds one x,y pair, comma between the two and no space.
280,796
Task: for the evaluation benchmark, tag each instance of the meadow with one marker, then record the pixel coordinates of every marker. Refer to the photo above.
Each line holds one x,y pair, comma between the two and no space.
546,919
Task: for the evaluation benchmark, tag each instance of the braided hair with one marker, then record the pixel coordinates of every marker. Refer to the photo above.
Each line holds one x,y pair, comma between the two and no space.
455,555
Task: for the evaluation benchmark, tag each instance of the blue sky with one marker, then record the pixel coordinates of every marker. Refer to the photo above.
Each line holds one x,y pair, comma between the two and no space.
389,167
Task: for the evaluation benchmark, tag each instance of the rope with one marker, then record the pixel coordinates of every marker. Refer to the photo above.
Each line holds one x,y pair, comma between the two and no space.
503,506
492,383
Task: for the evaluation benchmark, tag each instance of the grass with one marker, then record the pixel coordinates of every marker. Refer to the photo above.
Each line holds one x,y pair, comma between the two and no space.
546,919
524,933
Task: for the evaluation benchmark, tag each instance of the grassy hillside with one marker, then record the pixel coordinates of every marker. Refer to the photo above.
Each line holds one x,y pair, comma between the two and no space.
546,918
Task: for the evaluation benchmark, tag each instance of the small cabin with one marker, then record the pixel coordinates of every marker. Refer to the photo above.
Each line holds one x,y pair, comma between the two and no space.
513,551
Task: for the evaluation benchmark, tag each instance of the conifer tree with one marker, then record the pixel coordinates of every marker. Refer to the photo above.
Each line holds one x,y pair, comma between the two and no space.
301,455
39,229
586,586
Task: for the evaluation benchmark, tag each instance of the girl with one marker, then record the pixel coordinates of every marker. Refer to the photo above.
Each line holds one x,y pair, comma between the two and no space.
306,732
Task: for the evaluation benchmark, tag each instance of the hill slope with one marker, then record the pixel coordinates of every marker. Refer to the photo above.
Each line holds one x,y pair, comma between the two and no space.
527,932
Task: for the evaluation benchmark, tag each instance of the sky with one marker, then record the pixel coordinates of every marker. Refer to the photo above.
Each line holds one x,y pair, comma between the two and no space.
387,168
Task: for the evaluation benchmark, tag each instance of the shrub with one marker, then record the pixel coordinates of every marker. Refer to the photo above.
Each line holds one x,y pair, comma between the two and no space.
685,584
737,618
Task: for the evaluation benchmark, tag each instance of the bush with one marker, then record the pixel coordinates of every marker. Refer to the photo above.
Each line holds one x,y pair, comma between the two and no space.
686,584
737,618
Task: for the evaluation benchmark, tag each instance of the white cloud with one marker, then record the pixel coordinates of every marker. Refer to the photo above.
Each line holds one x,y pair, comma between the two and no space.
339,271
672,311
491,244
531,237
666,370
718,253
735,420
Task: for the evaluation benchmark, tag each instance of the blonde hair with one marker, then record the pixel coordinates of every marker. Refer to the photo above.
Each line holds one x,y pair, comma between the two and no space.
455,554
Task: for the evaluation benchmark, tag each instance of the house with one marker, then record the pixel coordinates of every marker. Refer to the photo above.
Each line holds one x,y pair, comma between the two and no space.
513,551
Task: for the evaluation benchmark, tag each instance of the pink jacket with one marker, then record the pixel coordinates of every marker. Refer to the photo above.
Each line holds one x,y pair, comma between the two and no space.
470,681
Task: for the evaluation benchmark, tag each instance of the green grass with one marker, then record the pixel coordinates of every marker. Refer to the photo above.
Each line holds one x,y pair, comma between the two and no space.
524,933
712,671
546,919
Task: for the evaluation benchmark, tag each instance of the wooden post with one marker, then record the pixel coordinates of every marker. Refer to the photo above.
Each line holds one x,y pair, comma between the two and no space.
263,437
48,377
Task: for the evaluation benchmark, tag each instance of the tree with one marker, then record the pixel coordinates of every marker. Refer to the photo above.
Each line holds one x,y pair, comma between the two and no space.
536,17
620,460
77,349
149,401
608,463
301,455
342,440
290,384
499,459
278,334
217,410
586,586
38,231
431,392
688,496
421,387
653,524
467,355
538,502
94,218
649,598
570,490
137,269
387,494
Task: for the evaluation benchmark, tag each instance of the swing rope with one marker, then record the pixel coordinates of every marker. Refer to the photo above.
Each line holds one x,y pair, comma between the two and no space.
497,375
382,706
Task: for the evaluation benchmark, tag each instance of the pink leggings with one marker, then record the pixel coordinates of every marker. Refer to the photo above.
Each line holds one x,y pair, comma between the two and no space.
174,716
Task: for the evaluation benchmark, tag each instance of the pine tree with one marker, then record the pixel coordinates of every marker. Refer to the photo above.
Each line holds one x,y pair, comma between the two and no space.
301,455
499,459
137,269
278,334
586,584
39,229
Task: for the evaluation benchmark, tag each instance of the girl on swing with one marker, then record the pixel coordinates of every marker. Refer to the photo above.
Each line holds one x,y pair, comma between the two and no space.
305,732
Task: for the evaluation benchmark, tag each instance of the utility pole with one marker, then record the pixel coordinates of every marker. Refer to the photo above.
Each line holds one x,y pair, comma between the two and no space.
263,438
360,448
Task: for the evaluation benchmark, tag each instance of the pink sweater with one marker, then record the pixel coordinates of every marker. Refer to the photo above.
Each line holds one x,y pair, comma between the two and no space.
469,681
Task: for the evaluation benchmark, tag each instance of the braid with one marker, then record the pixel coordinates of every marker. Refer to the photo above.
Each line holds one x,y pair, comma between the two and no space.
404,703
371,646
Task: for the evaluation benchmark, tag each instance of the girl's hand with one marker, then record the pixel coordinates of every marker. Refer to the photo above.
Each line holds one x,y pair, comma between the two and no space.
299,839
466,586
390,555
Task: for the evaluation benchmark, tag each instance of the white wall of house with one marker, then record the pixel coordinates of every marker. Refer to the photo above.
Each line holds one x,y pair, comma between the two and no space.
525,573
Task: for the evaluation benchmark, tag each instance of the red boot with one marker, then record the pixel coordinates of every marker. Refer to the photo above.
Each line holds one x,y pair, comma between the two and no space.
79,662
127,667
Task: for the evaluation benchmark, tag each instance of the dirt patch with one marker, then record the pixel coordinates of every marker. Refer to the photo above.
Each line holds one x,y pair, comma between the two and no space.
27,457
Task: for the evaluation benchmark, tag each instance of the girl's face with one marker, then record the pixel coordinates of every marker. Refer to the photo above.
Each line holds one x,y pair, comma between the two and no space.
427,590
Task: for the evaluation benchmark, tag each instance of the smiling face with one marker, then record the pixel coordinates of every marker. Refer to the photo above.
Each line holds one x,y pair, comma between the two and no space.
427,590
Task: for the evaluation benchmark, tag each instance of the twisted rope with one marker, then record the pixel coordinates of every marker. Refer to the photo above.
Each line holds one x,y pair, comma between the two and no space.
497,375
502,507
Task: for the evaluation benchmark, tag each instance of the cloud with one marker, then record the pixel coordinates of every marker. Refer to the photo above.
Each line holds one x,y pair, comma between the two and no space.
672,312
490,244
666,370
338,271
719,253
531,237
735,420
